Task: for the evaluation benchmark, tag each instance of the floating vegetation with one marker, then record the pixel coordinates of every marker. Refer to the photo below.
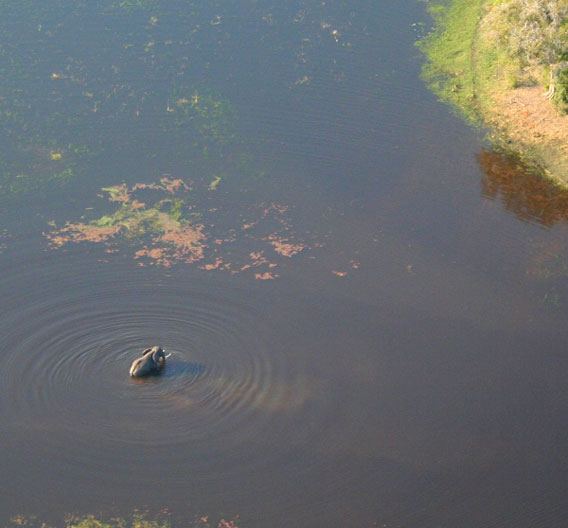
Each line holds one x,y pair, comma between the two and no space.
214,183
284,247
173,221
140,92
136,520
157,230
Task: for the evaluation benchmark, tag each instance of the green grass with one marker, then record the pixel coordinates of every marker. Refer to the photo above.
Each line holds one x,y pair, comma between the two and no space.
449,71
465,62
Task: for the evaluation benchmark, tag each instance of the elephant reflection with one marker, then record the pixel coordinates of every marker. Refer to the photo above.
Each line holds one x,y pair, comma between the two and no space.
151,363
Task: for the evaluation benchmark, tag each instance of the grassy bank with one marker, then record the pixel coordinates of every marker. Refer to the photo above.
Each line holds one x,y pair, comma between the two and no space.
472,66
449,70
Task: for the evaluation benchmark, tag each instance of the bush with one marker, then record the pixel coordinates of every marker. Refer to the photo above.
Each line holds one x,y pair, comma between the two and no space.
561,96
534,31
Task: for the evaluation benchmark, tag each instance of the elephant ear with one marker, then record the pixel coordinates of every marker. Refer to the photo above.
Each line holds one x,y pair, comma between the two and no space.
158,356
146,351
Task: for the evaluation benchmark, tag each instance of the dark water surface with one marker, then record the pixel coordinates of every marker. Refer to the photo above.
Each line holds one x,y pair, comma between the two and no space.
365,307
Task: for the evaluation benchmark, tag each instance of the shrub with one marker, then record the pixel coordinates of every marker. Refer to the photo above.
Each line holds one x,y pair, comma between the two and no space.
561,97
534,31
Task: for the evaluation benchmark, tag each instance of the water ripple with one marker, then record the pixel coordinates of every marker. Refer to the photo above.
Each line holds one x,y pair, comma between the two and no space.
67,355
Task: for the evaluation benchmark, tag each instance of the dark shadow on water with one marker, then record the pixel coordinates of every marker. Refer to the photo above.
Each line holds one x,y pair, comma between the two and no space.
522,189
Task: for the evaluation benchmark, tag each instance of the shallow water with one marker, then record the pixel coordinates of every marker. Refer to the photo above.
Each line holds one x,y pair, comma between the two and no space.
366,314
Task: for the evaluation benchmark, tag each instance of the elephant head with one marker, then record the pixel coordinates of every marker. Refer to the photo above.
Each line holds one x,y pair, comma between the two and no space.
151,363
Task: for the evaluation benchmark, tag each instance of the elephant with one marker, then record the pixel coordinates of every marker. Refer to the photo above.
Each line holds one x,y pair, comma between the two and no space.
150,364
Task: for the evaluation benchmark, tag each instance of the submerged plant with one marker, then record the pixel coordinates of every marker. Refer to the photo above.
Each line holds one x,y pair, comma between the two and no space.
207,115
552,299
133,5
